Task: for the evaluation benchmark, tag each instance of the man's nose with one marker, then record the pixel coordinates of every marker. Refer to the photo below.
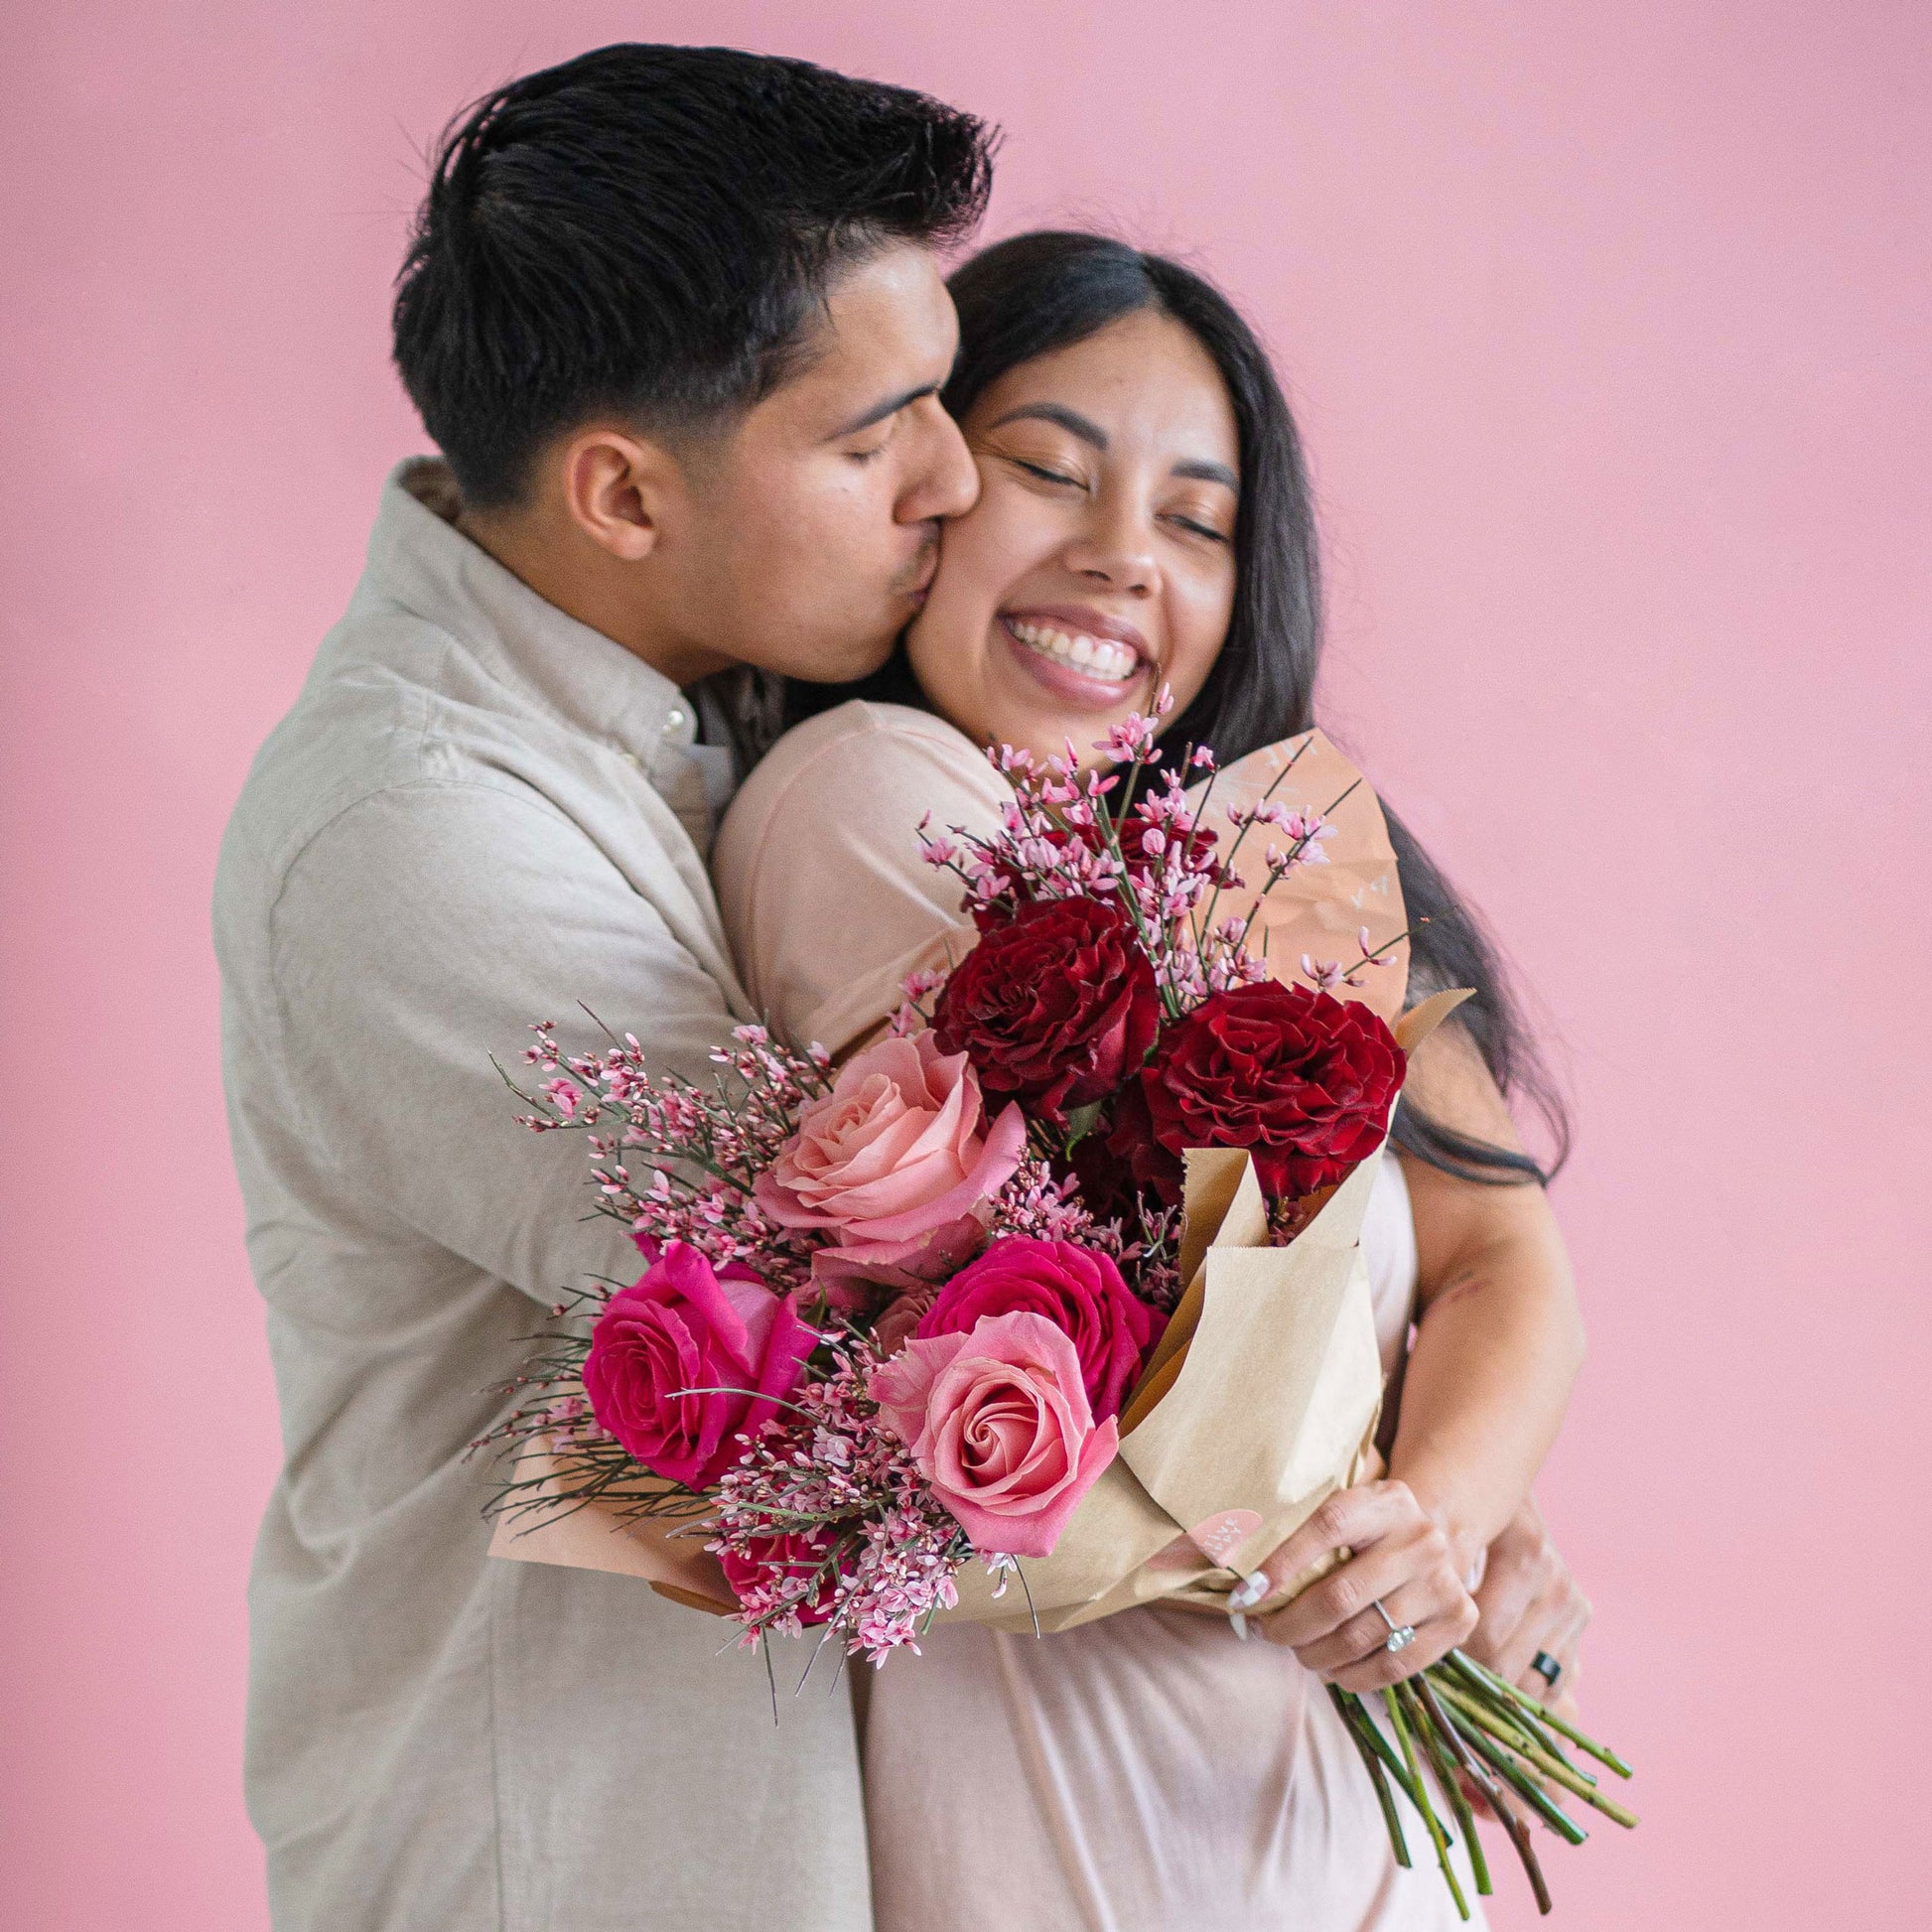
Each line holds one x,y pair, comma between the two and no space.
947,481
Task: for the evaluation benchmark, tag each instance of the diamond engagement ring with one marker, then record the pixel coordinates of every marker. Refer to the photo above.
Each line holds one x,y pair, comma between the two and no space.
1401,1635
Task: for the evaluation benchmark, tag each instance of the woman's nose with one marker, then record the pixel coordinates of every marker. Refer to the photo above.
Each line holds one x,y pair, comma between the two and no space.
1116,549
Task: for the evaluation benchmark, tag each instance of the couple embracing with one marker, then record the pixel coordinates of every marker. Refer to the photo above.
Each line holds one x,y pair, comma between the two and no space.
750,530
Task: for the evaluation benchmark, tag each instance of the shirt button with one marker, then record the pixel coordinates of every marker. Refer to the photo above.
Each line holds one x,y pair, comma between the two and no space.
675,720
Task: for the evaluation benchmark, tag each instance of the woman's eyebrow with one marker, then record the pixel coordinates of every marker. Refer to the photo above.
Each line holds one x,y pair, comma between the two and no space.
1069,420
1199,471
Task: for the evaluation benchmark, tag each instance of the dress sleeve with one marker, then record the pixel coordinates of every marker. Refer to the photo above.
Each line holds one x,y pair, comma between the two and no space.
825,897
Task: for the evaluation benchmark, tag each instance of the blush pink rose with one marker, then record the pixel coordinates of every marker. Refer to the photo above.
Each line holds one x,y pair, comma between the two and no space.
998,1422
1078,1290
682,1329
896,1161
897,1323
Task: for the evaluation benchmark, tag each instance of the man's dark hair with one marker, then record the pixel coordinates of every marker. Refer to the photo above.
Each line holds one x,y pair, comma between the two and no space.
652,230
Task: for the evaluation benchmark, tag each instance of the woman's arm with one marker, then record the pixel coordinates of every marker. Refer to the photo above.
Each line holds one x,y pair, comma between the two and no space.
1499,1342
1499,1336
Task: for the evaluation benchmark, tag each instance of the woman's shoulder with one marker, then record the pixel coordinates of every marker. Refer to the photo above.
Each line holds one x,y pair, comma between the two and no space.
874,758
879,734
823,892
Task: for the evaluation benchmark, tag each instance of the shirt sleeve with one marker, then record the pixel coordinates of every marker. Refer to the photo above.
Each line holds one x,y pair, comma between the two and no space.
826,899
413,942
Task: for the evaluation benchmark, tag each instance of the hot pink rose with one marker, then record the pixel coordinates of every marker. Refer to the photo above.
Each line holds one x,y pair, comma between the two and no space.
898,1160
684,1327
1076,1289
999,1423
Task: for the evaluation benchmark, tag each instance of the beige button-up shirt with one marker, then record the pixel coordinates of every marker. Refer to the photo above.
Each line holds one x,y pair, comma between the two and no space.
478,813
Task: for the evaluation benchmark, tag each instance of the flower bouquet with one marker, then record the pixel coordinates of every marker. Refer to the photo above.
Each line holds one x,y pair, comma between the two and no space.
1057,1283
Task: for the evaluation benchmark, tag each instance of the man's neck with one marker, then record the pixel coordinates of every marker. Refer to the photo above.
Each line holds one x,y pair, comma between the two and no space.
565,568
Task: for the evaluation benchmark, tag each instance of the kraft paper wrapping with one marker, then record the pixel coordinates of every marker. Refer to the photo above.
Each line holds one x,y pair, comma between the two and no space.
1321,909
593,1537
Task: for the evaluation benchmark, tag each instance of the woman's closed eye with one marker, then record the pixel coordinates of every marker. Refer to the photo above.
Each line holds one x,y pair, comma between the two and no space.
1195,526
1047,475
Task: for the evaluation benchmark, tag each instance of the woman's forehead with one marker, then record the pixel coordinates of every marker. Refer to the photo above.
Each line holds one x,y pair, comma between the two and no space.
1144,378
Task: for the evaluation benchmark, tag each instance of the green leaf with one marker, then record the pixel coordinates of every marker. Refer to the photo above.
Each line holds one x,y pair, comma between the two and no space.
1080,1123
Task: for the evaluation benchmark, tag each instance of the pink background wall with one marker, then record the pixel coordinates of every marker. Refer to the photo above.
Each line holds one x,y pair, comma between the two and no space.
1608,326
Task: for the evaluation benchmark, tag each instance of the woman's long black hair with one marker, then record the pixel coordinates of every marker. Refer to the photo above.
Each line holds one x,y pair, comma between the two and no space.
1046,291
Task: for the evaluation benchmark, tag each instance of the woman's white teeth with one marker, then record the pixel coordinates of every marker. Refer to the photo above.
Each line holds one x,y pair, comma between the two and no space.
1099,655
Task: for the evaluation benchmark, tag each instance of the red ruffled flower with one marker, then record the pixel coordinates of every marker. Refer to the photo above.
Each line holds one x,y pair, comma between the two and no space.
1301,1079
1054,1007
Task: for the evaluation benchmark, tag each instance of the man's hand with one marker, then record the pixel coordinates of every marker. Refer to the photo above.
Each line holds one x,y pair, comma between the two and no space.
1528,1601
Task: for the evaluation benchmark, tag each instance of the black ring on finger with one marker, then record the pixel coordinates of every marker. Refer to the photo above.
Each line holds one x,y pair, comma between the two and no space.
1546,1668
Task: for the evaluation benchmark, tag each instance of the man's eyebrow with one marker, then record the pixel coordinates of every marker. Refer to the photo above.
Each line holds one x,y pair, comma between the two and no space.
879,411
1199,471
1069,420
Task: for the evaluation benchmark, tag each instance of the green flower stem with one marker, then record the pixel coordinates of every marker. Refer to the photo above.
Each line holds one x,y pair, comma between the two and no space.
1525,1786
1544,1715
1352,1707
1377,1776
1507,1815
1575,1782
1499,1721
1422,1719
1370,1734
1505,1716
1429,1818
1546,1764
1526,1715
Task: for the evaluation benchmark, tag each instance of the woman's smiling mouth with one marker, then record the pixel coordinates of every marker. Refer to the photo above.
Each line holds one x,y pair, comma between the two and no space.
1081,655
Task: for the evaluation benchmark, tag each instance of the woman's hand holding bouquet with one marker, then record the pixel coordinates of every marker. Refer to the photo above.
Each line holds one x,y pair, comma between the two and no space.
1057,1282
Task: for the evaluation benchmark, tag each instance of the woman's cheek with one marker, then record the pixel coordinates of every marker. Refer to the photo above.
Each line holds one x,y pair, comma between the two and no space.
1200,629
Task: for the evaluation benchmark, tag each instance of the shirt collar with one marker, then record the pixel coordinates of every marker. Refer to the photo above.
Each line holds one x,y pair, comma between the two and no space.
588,682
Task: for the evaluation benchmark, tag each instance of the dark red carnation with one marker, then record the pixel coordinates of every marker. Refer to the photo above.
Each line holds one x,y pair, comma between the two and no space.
1078,1290
1301,1079
1054,1007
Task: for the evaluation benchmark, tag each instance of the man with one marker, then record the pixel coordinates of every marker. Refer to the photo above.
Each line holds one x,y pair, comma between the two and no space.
675,320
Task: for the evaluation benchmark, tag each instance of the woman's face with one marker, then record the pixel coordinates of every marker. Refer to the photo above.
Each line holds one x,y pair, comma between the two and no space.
1099,562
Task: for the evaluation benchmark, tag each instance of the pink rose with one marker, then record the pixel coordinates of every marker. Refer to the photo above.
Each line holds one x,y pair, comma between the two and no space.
999,1423
897,1322
684,1329
896,1161
1076,1289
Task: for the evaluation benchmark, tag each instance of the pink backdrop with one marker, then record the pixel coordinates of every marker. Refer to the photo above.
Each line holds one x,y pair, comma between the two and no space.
1607,329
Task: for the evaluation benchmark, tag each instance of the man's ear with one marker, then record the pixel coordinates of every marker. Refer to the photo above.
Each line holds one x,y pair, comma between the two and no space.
618,490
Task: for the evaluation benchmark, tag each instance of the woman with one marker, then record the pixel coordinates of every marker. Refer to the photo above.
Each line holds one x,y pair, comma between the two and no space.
1144,521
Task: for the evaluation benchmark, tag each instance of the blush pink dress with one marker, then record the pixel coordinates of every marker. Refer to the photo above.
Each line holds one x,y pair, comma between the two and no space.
1149,1772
